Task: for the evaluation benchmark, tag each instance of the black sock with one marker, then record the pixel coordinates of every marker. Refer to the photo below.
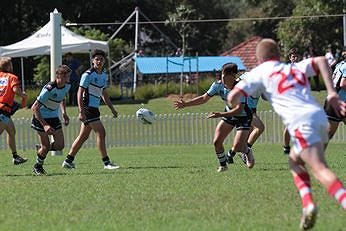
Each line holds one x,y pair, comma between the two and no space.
69,159
39,160
222,158
15,155
249,145
231,152
106,160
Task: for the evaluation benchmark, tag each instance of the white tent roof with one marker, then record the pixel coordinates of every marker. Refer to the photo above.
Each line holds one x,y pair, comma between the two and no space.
39,43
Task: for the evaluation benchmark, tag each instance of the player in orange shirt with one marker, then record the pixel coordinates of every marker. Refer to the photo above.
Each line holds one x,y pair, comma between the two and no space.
9,87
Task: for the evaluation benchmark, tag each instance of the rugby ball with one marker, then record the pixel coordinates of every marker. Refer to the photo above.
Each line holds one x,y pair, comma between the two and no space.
145,116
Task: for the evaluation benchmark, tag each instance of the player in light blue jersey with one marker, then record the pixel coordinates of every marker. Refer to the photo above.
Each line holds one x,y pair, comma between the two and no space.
339,82
239,117
92,88
257,124
46,119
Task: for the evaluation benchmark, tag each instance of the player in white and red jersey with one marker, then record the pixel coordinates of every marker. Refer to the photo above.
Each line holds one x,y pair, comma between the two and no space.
287,89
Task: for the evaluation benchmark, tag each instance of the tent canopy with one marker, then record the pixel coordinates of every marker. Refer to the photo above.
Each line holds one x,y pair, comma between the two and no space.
163,65
39,43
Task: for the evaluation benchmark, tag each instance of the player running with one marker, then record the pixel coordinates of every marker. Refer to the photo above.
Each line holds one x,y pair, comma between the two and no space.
287,89
239,117
46,119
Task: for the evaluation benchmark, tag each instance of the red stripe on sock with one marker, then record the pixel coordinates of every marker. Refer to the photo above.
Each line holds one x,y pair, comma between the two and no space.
335,187
343,197
302,181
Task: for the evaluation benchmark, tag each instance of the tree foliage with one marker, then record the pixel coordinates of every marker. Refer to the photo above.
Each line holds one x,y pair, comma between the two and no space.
238,21
318,32
179,21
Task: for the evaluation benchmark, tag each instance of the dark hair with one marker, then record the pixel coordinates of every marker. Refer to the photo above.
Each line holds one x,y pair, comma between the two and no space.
229,68
98,52
293,51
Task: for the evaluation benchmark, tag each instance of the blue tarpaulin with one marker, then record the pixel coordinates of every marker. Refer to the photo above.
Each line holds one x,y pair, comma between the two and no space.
170,65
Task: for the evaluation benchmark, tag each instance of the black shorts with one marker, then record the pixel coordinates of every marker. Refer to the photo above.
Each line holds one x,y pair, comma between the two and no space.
92,114
239,122
331,114
53,122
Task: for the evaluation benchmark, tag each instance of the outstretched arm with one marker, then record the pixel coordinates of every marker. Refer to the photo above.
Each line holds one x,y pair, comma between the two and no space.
233,98
195,101
233,112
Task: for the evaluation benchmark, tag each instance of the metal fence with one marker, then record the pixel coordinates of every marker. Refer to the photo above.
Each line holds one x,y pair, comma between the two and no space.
168,129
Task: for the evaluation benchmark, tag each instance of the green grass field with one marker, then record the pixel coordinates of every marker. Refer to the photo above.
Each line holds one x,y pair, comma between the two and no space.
162,188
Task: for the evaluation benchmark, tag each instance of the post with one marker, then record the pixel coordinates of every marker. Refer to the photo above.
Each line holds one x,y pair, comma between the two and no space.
55,52
136,51
55,48
197,76
22,71
344,22
181,77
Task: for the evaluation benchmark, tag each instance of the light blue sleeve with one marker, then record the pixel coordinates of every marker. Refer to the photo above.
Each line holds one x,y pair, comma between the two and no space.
85,80
214,89
43,96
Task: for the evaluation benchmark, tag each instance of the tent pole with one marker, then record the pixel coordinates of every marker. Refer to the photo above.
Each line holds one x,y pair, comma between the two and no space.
22,70
122,25
110,70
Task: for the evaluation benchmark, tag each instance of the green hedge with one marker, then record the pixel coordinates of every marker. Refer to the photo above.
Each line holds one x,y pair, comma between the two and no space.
151,91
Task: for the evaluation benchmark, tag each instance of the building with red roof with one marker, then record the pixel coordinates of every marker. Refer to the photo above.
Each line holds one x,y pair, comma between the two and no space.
246,51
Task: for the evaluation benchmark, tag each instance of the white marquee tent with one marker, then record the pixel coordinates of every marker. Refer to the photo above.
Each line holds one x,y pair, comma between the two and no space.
39,43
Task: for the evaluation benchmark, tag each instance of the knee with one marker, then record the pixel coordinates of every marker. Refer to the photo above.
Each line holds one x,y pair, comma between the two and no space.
260,129
101,134
45,148
59,146
217,142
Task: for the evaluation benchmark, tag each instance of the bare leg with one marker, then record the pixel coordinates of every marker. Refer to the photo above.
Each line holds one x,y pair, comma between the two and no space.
81,138
257,129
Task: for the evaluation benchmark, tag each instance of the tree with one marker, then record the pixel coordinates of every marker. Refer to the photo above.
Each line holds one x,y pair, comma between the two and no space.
318,32
179,21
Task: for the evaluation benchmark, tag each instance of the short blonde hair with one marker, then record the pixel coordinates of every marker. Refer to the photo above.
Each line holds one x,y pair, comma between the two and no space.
5,64
267,49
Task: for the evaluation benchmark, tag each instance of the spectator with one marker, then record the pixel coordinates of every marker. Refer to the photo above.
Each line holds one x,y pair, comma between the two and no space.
330,56
76,66
10,86
309,53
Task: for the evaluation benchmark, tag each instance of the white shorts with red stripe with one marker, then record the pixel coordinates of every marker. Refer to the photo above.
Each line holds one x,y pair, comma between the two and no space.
310,129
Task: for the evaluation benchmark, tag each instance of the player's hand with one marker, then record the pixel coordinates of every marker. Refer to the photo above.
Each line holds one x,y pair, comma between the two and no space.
66,119
48,129
214,115
338,105
179,104
81,116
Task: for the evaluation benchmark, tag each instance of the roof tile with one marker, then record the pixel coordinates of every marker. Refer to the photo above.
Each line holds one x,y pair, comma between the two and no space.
246,51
